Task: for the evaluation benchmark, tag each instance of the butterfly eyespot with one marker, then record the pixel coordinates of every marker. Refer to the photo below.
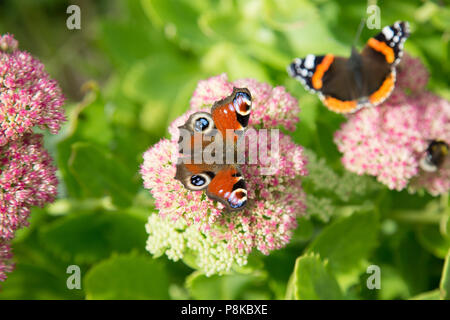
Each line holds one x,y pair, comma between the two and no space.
201,124
238,198
198,180
242,103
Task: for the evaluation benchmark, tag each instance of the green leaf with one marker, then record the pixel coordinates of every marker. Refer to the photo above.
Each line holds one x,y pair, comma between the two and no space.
87,122
445,279
313,280
127,277
100,174
179,19
304,230
87,238
431,238
90,121
300,22
393,286
254,264
127,43
413,262
279,265
240,25
162,83
430,295
159,77
229,58
34,282
215,287
346,244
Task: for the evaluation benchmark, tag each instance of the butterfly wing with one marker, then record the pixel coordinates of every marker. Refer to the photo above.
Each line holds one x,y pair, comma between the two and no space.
389,42
380,56
196,134
233,112
195,177
223,183
228,187
331,78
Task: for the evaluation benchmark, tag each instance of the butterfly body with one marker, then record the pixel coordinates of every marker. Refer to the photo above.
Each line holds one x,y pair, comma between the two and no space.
364,79
215,135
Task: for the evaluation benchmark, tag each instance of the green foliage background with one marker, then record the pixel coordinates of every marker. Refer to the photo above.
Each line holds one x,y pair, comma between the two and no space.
132,68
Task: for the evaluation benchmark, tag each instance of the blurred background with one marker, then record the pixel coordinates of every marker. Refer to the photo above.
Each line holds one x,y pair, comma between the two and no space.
131,69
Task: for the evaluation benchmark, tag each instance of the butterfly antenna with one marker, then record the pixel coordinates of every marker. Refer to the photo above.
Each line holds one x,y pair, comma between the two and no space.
358,33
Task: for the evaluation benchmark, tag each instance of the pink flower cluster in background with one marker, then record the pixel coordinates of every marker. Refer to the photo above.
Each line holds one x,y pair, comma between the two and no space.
388,141
27,178
5,260
28,98
190,220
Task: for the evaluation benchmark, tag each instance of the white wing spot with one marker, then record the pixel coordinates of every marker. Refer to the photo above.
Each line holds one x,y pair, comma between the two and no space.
388,33
309,61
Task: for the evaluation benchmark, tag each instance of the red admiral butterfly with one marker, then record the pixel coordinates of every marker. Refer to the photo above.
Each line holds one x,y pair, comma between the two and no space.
223,182
365,79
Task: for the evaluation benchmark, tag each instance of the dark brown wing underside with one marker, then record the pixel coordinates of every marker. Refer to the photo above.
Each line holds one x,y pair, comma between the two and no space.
339,81
375,70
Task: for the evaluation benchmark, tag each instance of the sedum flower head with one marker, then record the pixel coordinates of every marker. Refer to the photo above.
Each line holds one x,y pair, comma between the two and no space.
27,178
388,141
5,260
28,97
8,43
412,75
188,221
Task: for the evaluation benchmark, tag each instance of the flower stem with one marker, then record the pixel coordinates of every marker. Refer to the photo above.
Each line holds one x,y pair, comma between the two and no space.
416,217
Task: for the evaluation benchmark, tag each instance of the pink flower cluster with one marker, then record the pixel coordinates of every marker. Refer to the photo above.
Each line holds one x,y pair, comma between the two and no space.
388,141
27,178
28,98
412,76
5,260
276,200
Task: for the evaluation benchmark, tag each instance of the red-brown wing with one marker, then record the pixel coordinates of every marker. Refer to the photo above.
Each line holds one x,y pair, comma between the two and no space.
224,183
233,112
228,187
